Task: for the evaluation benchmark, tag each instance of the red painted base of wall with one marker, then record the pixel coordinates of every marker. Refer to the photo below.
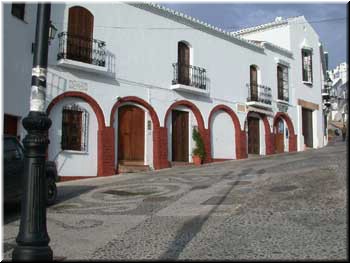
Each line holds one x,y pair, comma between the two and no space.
74,178
220,160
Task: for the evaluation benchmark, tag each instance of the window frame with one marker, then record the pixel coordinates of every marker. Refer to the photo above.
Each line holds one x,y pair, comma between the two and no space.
307,70
18,10
282,82
68,128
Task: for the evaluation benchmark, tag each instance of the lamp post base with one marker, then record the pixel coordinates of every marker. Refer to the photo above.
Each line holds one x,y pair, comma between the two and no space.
32,253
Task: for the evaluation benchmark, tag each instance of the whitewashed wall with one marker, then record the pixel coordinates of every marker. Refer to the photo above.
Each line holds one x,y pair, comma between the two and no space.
73,163
223,142
18,37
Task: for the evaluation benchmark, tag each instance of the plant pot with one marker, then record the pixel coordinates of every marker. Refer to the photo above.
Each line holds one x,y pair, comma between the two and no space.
196,160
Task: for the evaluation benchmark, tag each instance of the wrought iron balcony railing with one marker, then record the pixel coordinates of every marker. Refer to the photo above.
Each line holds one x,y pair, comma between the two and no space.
83,49
189,75
259,93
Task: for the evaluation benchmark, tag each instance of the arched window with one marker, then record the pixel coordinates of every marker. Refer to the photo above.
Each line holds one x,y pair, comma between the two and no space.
80,34
74,128
253,83
183,60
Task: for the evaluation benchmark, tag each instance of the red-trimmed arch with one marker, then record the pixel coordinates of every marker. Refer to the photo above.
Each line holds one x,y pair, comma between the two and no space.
189,105
104,134
139,101
159,158
204,132
77,94
269,139
236,124
292,135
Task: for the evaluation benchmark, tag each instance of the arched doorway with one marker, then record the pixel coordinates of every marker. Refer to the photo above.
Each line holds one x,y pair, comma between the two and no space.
131,135
195,120
80,34
253,135
289,138
279,130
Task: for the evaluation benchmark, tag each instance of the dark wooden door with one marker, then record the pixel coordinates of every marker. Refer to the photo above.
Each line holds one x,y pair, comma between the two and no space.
253,83
253,136
279,136
183,63
80,34
180,136
131,133
10,125
307,127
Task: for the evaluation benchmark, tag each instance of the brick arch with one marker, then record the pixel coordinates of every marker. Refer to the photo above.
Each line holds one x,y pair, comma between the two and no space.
269,137
104,134
139,101
77,94
159,148
240,144
292,135
204,132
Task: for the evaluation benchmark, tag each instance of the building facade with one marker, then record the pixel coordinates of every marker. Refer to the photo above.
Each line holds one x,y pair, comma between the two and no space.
128,83
340,106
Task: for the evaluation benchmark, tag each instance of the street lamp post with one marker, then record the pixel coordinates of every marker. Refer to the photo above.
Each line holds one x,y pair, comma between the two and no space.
33,239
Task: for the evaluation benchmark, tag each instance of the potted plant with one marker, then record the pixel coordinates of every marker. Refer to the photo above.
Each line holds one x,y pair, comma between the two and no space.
198,153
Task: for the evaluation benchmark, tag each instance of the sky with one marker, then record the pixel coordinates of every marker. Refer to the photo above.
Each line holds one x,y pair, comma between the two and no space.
328,20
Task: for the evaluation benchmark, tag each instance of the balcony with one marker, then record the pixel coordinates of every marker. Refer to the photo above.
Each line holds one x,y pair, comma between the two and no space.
259,96
189,78
81,53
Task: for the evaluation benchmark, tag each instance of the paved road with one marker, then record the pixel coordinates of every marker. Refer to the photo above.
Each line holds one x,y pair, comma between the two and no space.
286,206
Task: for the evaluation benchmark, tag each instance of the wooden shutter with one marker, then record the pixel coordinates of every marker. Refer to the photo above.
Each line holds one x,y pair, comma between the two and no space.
253,83
280,82
80,34
71,130
183,63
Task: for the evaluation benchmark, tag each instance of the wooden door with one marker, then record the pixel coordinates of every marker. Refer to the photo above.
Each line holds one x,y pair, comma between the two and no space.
80,34
279,136
253,136
307,127
10,125
183,63
131,133
253,83
180,136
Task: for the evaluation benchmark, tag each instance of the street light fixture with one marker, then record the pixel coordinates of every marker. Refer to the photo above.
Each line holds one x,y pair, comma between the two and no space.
33,239
52,31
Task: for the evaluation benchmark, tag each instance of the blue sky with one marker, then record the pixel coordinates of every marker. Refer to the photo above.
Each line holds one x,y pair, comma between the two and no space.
333,33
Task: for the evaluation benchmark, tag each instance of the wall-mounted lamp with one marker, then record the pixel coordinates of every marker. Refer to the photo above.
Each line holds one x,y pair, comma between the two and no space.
52,31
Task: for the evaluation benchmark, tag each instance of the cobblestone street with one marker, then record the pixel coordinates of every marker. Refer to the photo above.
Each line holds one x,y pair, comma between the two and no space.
284,206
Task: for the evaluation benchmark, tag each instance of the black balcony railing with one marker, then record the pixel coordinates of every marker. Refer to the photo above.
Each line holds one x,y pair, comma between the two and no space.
83,49
259,93
189,75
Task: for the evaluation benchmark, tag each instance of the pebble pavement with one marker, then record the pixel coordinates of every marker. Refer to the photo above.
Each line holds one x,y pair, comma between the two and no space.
289,206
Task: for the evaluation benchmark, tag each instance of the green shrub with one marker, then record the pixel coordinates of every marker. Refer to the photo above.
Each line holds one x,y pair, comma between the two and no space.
199,149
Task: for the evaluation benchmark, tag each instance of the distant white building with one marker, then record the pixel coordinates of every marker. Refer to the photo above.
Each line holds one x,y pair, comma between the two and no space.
340,90
127,84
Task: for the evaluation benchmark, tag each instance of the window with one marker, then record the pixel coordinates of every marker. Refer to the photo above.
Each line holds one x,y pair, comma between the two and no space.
183,60
253,83
17,10
307,64
282,82
74,128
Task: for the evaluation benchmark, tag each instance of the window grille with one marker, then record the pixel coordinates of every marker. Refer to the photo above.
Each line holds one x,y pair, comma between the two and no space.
307,65
74,128
282,82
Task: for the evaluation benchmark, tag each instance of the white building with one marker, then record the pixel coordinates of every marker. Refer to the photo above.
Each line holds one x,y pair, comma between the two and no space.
127,83
340,105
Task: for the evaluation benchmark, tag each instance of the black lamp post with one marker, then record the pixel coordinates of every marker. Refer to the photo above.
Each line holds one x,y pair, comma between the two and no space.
33,239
